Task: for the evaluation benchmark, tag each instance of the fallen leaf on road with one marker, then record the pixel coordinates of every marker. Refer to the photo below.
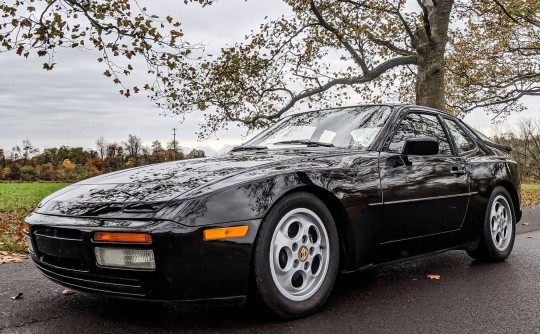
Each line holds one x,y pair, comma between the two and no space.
6,257
68,292
530,237
525,224
434,276
18,296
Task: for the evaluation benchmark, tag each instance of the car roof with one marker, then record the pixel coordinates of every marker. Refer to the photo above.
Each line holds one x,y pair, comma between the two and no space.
397,107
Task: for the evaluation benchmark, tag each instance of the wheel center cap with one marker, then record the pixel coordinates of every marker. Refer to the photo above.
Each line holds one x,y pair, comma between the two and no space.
303,253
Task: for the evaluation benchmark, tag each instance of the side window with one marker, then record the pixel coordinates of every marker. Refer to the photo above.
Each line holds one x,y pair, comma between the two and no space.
463,142
419,125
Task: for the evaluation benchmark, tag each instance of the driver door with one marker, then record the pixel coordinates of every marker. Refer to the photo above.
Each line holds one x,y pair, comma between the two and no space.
422,195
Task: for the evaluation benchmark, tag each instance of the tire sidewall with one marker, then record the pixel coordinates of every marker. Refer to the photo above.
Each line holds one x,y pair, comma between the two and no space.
266,286
493,252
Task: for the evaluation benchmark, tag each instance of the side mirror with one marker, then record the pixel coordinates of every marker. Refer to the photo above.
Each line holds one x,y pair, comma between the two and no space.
421,146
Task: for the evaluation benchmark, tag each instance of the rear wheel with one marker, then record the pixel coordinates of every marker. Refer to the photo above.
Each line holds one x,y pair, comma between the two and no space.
296,256
499,228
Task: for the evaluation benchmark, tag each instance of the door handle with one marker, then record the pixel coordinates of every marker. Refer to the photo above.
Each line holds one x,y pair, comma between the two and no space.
458,171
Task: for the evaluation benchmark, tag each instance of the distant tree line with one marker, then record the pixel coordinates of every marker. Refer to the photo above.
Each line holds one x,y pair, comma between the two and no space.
68,164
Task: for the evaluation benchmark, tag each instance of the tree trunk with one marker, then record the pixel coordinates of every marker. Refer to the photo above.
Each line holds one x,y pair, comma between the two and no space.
431,46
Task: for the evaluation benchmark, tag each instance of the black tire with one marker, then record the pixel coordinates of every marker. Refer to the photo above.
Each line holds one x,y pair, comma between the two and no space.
488,249
267,283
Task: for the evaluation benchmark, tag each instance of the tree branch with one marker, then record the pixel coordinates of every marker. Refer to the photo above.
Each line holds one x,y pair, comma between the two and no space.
394,12
389,45
425,15
367,77
359,60
503,7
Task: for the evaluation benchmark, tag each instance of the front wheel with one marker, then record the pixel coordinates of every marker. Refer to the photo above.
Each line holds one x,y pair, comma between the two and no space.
499,228
296,256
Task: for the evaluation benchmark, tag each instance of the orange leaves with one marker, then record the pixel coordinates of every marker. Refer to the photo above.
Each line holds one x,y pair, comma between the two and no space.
8,257
530,196
434,276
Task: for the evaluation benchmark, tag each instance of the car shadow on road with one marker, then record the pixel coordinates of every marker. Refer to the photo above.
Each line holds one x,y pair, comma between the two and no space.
356,297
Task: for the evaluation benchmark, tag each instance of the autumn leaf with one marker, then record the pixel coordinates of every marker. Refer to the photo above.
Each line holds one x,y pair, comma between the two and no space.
433,276
17,296
7,257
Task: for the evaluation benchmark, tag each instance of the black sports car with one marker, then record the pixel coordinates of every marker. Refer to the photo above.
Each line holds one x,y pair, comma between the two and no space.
317,193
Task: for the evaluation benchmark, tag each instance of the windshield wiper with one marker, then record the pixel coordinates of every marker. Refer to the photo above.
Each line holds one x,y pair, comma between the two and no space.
306,142
249,148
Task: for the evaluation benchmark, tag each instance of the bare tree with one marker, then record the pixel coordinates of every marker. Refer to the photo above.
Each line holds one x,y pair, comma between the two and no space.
25,151
101,145
133,147
525,142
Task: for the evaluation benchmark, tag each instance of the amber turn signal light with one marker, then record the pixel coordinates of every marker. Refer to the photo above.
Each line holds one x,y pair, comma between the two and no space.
225,232
26,228
136,238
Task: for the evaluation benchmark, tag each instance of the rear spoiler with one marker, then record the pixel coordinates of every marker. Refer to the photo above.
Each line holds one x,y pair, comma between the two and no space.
503,148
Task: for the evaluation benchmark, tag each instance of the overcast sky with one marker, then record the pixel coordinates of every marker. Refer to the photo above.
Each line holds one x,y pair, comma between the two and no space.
75,104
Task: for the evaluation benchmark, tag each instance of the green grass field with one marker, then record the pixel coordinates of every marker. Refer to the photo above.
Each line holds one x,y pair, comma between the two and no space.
17,196
530,186
16,201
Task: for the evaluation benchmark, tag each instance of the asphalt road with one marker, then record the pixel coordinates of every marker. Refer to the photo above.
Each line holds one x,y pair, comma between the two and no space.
470,297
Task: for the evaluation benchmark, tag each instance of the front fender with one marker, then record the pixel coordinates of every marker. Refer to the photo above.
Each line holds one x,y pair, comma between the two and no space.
250,200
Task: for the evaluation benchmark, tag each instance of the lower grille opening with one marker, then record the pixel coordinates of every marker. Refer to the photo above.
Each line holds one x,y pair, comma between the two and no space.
91,282
64,263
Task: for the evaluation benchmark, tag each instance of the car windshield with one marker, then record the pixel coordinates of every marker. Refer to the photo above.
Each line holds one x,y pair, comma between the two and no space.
352,127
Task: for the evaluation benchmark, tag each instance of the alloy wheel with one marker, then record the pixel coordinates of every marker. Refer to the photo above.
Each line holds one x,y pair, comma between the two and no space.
299,254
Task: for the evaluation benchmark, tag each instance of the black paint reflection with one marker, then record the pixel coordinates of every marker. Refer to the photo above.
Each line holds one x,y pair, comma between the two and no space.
419,125
383,207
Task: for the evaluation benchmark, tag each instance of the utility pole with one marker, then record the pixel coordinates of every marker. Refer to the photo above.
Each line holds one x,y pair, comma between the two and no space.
174,142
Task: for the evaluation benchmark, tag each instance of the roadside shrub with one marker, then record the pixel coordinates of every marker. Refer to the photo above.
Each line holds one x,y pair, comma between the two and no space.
6,173
28,174
48,172
15,172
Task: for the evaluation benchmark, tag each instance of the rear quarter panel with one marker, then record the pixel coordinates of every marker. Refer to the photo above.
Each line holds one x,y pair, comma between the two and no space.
486,173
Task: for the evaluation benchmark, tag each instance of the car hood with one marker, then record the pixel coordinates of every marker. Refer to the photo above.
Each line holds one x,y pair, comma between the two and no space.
138,189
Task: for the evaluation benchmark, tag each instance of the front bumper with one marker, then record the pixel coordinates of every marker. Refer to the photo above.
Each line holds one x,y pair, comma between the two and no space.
187,267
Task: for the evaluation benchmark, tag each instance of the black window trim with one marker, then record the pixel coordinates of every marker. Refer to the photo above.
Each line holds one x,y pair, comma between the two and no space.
404,113
467,133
